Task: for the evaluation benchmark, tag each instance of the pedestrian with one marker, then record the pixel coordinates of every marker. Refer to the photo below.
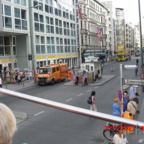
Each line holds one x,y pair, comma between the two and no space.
96,73
73,68
16,75
19,78
134,94
132,106
1,82
7,125
77,77
125,101
101,69
136,70
116,108
86,83
119,137
137,61
93,105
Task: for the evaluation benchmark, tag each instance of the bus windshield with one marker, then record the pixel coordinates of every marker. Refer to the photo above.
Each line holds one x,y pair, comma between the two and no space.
44,70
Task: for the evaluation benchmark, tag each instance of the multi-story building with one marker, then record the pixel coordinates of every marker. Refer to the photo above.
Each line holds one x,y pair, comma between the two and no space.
137,38
14,34
94,18
129,36
44,30
111,25
120,29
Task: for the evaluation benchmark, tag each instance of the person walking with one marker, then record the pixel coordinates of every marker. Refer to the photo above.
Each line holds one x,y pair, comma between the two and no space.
116,108
132,106
134,94
1,82
93,105
136,70
96,73
77,77
19,78
102,69
125,101
137,61
86,83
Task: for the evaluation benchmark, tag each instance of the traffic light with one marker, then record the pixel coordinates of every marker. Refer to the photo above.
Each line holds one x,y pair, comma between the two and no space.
30,57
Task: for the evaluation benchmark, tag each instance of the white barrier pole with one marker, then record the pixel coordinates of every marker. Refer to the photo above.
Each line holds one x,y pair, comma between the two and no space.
72,109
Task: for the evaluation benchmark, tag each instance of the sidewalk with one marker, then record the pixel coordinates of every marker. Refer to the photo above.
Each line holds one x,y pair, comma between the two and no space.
103,80
16,87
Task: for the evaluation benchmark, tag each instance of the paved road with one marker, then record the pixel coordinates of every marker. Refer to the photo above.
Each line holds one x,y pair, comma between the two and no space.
46,125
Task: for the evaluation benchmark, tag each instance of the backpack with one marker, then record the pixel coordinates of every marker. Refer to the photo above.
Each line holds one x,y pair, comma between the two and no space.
89,101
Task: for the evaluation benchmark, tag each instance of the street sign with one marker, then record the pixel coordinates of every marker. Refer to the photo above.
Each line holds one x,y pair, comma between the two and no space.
133,82
130,66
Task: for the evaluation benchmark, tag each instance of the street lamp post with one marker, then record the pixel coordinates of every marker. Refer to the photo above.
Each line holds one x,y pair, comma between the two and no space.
142,62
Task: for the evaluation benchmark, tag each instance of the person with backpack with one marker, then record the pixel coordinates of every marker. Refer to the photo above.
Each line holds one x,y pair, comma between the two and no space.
92,101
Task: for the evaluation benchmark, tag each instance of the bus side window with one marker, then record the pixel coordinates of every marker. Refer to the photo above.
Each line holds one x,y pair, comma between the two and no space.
57,68
53,70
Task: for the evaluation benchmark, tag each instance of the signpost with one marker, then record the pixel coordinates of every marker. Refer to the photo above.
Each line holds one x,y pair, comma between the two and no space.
133,82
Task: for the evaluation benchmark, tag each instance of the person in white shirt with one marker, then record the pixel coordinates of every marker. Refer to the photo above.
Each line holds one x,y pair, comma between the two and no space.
118,138
1,82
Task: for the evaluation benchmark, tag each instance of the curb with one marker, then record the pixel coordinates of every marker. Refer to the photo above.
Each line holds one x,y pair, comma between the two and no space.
94,84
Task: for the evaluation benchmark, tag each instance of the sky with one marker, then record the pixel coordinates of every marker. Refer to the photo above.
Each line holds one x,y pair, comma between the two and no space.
131,9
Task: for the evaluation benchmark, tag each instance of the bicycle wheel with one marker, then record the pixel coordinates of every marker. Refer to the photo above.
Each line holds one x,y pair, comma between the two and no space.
108,135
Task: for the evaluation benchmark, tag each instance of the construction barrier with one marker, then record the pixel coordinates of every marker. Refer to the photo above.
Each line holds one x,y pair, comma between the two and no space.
69,75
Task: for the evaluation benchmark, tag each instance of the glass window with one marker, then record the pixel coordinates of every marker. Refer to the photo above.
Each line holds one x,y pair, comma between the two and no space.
56,22
61,41
23,14
43,49
47,20
52,40
58,50
42,27
37,49
48,29
48,40
56,11
42,40
1,40
47,8
41,19
17,1
37,27
48,49
24,25
37,39
41,6
14,50
14,41
7,10
51,10
6,41
53,49
57,30
23,2
57,40
51,21
17,24
52,29
7,50
17,12
1,51
36,17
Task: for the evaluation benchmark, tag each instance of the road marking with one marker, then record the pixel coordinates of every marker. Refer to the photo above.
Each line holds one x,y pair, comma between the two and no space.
68,99
89,90
39,113
80,94
96,87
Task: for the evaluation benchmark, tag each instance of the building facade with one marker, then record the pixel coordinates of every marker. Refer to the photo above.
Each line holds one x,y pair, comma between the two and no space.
45,30
14,34
120,29
94,18
130,36
111,25
137,38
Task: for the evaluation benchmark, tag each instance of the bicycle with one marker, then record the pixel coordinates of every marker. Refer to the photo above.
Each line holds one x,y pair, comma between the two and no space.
110,131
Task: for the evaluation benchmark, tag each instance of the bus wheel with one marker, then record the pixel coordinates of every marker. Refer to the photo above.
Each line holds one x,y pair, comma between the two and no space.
53,81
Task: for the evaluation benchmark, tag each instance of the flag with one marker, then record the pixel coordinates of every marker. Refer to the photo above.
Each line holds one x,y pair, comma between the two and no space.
80,13
98,33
